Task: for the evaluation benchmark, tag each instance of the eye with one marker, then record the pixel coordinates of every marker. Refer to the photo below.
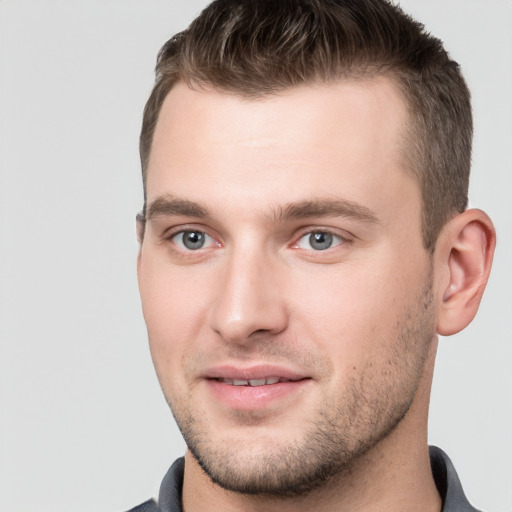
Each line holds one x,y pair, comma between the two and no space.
319,241
192,240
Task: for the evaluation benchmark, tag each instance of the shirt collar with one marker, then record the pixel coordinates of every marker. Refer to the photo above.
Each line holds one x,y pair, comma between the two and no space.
445,477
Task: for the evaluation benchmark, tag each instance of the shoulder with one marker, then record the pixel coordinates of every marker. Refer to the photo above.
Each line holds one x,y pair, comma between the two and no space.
448,483
147,506
169,499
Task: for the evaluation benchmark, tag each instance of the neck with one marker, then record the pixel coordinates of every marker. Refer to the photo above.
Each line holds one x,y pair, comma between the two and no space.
393,475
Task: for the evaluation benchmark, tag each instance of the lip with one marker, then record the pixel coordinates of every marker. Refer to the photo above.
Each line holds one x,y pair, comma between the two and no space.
252,372
251,398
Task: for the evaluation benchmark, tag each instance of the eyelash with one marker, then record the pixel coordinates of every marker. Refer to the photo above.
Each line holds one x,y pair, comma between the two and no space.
334,238
327,237
173,237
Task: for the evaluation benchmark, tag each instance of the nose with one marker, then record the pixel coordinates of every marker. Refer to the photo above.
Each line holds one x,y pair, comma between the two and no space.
250,301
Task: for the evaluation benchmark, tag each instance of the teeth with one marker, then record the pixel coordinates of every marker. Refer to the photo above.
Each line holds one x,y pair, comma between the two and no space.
258,382
253,382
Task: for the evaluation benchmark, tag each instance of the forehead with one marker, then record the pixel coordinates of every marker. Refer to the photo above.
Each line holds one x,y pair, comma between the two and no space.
314,140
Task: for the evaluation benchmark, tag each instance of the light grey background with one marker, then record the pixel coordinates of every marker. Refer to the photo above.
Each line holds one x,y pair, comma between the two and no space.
83,425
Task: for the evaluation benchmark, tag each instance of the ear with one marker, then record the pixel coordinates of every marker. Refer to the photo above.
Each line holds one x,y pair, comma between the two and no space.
464,255
141,226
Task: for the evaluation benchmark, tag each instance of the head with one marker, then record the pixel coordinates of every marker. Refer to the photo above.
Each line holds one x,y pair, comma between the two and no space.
304,237
256,49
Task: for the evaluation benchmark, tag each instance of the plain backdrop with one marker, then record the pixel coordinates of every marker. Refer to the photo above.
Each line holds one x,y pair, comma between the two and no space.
83,425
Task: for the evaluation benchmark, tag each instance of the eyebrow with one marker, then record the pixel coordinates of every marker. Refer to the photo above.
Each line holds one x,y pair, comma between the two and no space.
326,208
169,205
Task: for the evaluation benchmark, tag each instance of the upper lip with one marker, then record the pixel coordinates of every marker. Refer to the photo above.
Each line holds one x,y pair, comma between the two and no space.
265,371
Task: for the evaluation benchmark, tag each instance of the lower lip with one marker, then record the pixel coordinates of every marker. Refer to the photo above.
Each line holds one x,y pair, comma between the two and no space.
255,397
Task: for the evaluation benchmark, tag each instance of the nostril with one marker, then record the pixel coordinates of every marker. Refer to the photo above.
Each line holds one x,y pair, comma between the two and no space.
261,331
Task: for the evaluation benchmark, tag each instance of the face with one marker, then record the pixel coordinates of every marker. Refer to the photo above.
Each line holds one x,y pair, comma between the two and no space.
284,283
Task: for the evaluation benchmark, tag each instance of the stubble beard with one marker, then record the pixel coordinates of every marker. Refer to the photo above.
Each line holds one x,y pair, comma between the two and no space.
346,425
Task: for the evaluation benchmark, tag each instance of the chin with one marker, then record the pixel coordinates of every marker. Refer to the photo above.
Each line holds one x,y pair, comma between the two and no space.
283,466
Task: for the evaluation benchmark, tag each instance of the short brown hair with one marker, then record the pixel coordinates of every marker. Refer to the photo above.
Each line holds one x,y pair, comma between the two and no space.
254,48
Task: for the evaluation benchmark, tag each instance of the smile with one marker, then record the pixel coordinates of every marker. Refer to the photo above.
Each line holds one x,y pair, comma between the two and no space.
255,392
253,382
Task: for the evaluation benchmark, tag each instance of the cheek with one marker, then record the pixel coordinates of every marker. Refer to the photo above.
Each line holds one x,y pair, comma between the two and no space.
353,313
174,304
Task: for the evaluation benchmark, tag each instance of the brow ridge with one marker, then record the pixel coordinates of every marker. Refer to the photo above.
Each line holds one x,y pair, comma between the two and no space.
326,208
169,205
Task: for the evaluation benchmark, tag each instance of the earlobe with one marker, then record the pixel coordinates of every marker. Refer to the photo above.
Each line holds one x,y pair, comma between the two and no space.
466,251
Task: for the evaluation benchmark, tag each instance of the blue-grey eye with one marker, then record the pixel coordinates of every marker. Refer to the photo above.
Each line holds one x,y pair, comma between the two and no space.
191,240
319,241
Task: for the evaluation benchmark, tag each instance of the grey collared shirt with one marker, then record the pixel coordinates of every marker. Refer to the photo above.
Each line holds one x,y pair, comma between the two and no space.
445,477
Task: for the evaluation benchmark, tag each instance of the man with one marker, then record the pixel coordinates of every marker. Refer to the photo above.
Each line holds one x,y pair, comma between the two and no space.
304,239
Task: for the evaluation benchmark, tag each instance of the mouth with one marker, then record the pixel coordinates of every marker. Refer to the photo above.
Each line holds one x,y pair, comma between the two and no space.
256,388
255,382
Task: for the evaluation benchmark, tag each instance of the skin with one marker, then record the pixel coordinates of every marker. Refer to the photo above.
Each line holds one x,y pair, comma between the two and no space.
356,321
